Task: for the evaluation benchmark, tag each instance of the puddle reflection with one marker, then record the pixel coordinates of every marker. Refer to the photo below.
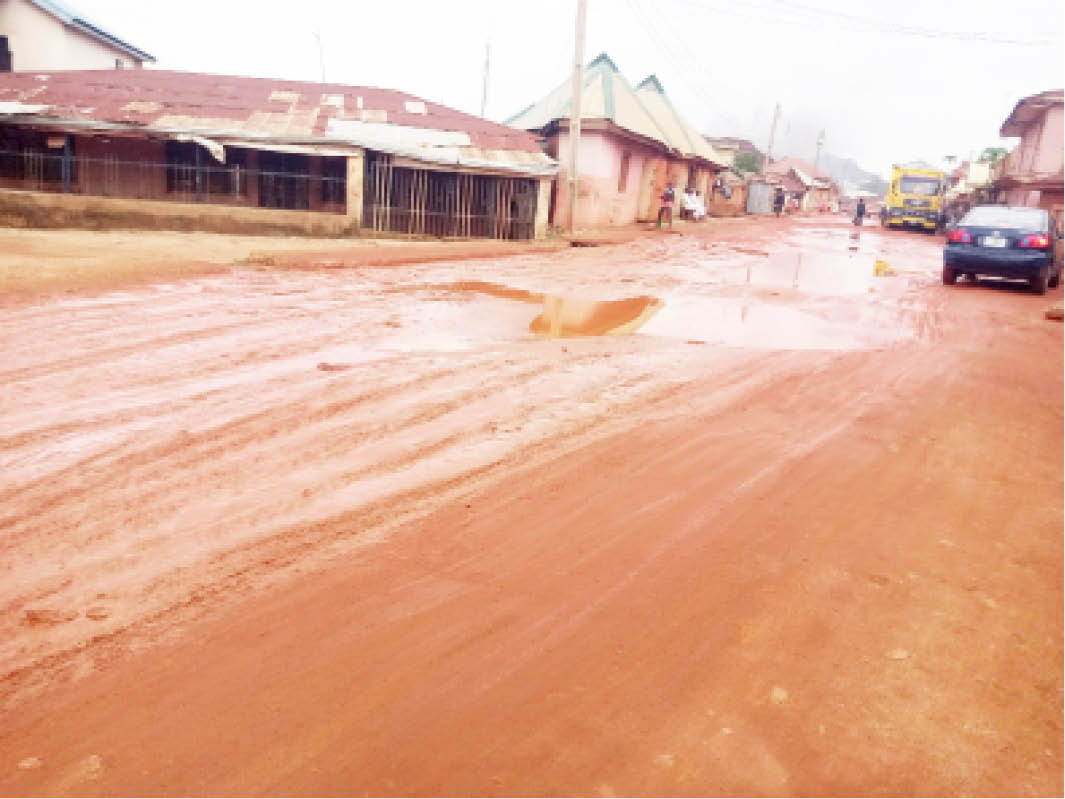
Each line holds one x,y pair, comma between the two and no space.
564,317
745,323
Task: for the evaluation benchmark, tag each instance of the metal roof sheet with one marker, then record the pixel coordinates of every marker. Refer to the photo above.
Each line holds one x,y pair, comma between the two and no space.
261,108
605,95
680,134
1029,109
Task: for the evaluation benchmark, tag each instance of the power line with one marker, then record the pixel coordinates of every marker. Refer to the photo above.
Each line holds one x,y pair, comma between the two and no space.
912,30
691,69
811,16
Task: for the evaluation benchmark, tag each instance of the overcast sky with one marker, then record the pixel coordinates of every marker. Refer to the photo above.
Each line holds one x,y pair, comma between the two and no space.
887,81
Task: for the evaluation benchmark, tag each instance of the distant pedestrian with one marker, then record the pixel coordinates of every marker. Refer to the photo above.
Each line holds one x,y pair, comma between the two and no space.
667,205
859,212
778,201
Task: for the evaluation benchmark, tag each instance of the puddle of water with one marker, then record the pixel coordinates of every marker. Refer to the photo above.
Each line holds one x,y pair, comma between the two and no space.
759,325
564,317
717,320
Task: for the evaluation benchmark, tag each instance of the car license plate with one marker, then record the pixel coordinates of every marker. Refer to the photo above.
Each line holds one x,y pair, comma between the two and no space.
993,241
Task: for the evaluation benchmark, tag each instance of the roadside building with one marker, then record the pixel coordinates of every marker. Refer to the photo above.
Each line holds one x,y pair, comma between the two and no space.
186,150
633,142
692,162
39,35
1033,173
969,184
728,194
737,147
808,188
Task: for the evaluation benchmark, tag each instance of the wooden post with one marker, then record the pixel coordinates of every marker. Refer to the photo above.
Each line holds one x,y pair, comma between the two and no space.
353,196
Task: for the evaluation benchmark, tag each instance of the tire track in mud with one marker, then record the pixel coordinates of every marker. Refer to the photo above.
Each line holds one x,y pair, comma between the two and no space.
133,488
205,495
176,596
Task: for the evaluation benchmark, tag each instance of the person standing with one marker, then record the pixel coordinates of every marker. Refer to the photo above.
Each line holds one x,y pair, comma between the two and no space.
778,201
667,205
859,212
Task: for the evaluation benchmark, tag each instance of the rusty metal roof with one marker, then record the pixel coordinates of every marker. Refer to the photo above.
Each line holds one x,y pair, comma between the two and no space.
221,106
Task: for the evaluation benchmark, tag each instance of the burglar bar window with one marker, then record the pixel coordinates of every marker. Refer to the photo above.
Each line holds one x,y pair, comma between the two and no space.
283,181
230,178
26,155
334,180
180,166
190,168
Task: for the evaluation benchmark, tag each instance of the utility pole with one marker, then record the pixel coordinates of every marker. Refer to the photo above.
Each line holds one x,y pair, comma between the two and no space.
772,135
575,109
484,89
820,142
321,54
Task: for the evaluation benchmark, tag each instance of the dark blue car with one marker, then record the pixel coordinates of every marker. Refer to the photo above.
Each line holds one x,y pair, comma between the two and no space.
1003,241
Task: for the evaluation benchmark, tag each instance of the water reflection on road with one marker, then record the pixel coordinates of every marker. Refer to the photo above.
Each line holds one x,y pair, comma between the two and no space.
798,294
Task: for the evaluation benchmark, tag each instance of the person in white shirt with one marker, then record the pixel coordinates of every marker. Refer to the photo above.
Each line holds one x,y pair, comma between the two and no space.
692,204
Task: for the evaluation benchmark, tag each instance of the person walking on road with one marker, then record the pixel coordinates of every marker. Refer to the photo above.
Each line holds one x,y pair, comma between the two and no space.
859,212
778,201
667,205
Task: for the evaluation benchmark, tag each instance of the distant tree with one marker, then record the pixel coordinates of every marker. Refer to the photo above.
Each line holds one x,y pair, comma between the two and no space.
747,162
991,155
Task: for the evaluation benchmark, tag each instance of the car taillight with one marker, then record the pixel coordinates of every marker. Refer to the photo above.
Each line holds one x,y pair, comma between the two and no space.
1038,241
959,236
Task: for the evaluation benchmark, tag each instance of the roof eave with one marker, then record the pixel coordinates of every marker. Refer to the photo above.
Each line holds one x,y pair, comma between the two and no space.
113,41
99,126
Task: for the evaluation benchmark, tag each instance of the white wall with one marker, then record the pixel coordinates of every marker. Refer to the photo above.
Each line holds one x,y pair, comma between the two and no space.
40,41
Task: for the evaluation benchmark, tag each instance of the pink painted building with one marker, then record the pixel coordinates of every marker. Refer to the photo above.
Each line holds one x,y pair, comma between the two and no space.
810,188
1033,173
633,143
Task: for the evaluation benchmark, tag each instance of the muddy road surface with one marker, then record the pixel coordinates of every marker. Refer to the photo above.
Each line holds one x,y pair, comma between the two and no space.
757,507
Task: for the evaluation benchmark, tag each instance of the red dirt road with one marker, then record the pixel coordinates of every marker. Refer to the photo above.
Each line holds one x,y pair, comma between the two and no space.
361,530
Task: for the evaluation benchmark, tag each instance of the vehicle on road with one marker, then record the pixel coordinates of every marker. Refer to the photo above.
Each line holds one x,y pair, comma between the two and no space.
914,199
1003,241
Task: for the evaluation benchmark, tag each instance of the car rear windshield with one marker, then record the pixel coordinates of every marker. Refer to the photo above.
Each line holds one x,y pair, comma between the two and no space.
926,187
1002,216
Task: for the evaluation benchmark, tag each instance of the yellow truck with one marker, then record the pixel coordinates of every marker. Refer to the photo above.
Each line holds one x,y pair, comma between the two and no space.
914,198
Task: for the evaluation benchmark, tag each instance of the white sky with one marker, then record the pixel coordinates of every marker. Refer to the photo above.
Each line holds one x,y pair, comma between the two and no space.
888,81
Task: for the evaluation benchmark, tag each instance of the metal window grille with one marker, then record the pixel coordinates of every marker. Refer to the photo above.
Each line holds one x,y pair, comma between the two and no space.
420,202
286,184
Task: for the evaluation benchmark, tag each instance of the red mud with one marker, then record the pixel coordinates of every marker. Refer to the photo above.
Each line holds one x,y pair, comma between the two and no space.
732,511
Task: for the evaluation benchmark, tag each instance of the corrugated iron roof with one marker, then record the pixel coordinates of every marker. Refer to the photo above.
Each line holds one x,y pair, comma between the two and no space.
680,135
605,95
1029,109
804,170
222,106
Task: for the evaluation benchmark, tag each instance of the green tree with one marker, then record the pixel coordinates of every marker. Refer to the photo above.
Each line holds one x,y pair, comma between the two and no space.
991,155
747,162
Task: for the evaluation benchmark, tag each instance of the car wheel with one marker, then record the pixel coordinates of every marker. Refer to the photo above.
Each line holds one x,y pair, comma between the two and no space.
970,276
1054,279
949,276
1040,280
